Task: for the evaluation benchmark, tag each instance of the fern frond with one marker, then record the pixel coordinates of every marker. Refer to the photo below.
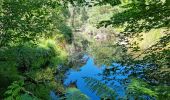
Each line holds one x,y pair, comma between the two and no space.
101,89
137,88
75,94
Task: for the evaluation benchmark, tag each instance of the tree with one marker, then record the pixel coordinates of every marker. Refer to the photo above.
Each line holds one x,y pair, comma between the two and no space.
30,42
28,20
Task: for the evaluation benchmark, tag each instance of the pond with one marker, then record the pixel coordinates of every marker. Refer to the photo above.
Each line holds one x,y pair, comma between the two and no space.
115,77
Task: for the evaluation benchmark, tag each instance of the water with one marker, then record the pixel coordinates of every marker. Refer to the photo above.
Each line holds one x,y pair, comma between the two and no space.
117,79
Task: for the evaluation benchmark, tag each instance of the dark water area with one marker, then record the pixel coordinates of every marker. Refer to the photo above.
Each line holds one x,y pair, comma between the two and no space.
116,79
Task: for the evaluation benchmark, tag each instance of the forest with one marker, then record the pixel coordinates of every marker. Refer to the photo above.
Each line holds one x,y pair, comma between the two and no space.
84,49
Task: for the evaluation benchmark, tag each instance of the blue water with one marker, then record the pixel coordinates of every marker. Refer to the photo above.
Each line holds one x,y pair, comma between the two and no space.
116,79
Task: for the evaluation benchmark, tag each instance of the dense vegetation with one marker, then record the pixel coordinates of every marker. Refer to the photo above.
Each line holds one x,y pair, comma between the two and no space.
41,39
32,47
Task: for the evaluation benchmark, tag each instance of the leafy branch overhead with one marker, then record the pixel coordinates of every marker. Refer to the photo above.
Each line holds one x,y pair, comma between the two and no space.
142,15
28,20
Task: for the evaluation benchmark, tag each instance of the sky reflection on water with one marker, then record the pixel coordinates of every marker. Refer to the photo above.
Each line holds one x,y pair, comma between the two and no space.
91,70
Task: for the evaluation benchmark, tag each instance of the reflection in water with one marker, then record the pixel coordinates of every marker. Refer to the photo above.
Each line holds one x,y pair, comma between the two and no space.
114,77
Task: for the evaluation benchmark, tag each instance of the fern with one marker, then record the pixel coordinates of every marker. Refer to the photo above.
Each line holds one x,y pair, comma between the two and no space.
14,90
27,97
75,94
101,89
137,88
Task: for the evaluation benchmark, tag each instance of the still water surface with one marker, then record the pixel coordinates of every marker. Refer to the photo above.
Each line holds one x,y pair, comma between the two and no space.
117,80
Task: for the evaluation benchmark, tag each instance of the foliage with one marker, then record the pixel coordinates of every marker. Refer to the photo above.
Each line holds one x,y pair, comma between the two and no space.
91,3
15,91
45,80
32,45
140,18
138,88
137,18
84,16
34,36
99,13
45,74
35,56
163,92
141,15
78,16
106,52
29,60
27,97
8,71
27,20
101,89
75,94
39,90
